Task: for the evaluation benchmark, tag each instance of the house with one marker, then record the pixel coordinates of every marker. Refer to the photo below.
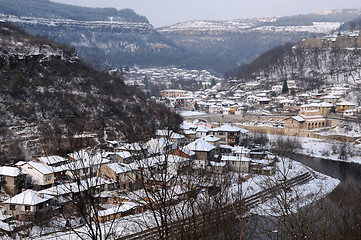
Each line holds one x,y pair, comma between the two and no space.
345,105
38,173
217,167
27,205
122,157
236,164
85,163
184,153
169,134
324,107
122,174
126,209
160,145
203,150
62,193
202,131
8,178
229,135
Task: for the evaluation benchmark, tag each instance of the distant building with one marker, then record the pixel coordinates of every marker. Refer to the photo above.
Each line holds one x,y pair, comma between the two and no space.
308,119
345,105
171,93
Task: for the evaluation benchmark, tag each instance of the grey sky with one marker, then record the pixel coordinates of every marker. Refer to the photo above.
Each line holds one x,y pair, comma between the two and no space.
168,12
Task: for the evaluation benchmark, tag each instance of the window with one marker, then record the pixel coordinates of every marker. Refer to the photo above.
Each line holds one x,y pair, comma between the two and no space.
48,178
220,133
12,207
27,208
41,206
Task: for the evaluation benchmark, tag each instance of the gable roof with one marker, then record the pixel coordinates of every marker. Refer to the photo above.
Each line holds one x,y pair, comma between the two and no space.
298,119
229,128
9,171
200,145
117,168
28,197
51,159
41,167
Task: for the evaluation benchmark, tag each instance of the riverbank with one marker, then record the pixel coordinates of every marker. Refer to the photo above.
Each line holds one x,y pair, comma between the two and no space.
326,149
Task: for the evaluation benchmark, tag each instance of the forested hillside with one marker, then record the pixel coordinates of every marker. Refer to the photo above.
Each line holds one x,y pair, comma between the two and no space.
333,58
48,95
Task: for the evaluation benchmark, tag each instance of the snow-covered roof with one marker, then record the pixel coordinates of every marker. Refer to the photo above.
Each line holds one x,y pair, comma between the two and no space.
9,171
122,154
298,118
51,159
187,126
240,150
156,145
325,104
117,168
229,128
235,158
41,167
75,187
168,133
210,138
126,206
345,103
202,128
331,96
6,227
307,118
28,197
200,145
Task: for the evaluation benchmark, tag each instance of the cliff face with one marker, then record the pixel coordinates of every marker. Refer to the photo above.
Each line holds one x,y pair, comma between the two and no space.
105,44
48,95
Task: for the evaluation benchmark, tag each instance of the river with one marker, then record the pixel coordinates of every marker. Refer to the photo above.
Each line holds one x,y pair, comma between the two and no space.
347,173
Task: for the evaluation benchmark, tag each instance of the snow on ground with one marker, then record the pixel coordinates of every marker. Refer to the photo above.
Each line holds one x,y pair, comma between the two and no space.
191,113
319,187
326,148
349,129
300,195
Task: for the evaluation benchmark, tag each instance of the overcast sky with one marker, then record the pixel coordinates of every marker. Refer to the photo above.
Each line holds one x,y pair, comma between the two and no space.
167,12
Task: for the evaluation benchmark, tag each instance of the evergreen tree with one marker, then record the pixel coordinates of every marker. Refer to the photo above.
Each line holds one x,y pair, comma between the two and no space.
285,87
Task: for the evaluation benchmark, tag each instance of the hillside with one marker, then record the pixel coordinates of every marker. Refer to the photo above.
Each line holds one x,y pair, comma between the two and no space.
110,38
48,95
52,10
103,37
222,45
333,58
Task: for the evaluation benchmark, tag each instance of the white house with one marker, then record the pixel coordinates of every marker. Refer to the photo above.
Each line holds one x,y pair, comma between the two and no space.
38,173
